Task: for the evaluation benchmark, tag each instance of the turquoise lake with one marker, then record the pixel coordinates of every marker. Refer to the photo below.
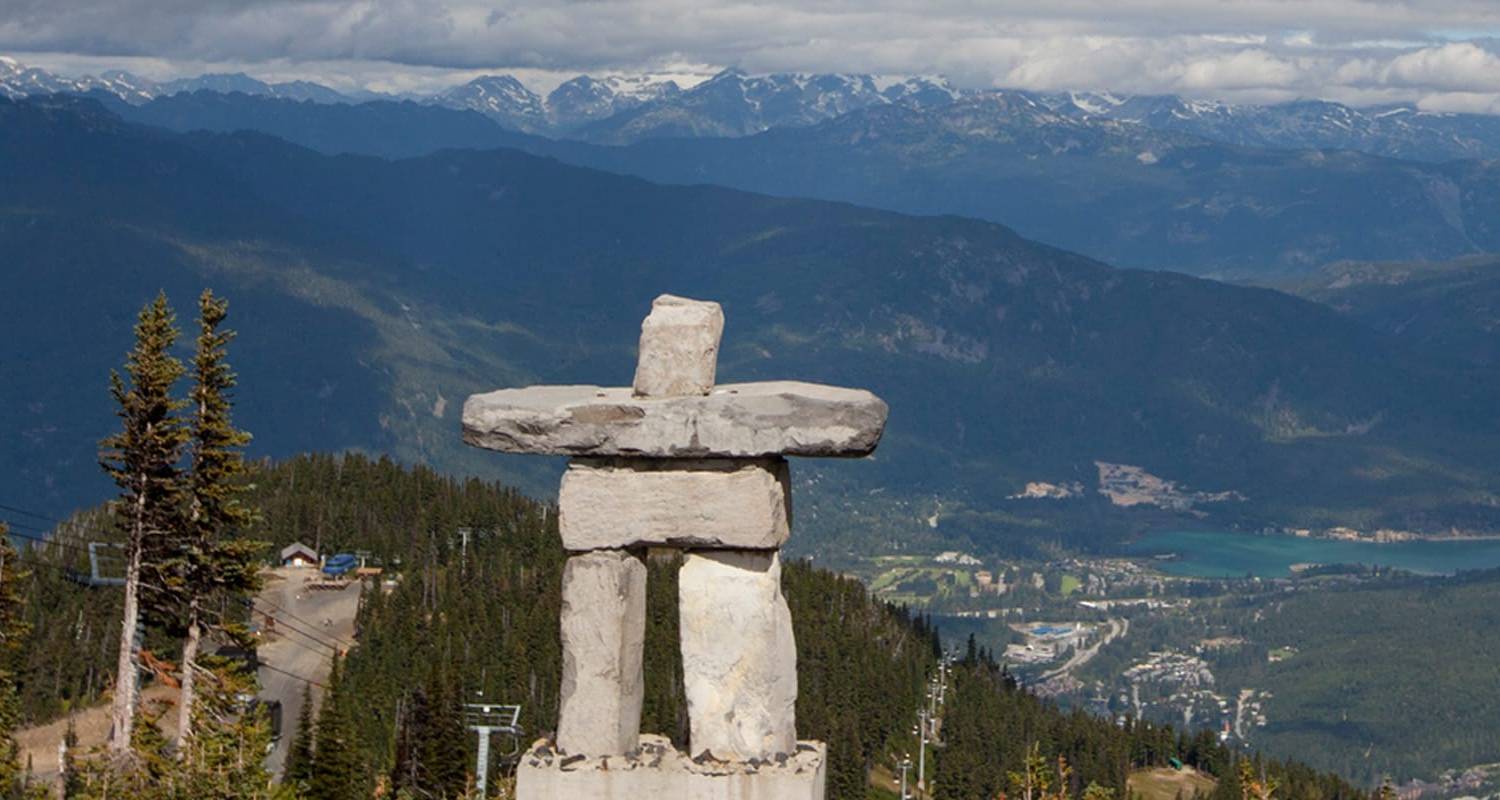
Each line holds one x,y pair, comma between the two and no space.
1213,554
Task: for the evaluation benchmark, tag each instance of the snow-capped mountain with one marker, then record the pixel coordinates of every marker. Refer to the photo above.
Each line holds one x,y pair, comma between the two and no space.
921,92
585,99
227,83
734,103
1394,131
621,109
501,98
572,104
18,80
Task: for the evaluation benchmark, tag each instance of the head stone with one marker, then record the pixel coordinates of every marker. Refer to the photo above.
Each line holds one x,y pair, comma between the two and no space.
679,348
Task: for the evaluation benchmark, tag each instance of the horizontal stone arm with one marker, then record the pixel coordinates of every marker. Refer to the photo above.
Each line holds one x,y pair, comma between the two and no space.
748,420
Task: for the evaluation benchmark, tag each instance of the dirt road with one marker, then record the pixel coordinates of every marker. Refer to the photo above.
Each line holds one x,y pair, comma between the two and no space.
39,744
308,625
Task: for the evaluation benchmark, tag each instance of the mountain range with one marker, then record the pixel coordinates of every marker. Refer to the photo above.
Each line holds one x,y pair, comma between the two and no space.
1117,191
620,109
374,294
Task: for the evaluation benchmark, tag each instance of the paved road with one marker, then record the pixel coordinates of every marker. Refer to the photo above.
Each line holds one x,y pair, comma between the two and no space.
1117,628
309,624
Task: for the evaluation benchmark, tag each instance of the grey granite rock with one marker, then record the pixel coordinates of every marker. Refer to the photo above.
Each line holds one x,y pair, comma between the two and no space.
739,656
746,420
679,351
723,503
603,639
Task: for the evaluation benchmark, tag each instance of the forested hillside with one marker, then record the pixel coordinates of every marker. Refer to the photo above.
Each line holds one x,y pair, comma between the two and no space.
461,622
1399,674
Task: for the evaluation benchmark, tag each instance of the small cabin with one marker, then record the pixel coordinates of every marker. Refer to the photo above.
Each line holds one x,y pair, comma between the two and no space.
298,554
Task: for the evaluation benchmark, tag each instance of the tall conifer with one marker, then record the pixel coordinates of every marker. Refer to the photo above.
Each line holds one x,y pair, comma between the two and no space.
335,762
142,459
299,759
204,558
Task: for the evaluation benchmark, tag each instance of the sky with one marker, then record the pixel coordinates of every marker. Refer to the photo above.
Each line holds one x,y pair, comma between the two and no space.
1440,54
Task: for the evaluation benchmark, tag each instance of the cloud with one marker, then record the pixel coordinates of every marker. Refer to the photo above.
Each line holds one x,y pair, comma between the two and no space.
1462,66
1248,49
1245,69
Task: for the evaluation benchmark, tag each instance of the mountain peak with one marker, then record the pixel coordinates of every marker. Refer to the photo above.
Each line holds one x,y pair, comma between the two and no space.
502,98
728,73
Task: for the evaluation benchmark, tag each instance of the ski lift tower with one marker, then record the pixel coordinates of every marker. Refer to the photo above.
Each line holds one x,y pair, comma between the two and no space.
485,720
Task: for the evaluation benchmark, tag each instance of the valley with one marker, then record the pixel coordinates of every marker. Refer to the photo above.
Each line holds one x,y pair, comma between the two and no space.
1249,651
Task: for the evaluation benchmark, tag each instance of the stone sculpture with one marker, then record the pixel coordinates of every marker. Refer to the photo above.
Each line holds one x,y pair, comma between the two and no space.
677,462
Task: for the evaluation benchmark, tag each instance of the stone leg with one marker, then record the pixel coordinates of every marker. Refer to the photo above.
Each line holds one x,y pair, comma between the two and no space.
603,637
739,656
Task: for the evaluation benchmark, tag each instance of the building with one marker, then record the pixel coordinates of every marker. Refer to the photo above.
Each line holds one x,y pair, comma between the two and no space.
298,554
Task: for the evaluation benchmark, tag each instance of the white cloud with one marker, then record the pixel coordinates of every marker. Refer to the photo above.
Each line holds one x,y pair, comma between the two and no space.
1245,69
1462,102
1462,66
1243,50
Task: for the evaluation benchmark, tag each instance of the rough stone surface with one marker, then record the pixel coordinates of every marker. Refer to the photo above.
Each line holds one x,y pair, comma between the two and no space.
658,772
746,420
739,658
679,348
603,638
733,503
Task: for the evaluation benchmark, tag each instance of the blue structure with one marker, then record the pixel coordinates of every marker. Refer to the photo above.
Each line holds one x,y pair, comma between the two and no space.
339,564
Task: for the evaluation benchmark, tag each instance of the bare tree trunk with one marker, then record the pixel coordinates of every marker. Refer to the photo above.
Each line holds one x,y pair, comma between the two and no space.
122,712
185,698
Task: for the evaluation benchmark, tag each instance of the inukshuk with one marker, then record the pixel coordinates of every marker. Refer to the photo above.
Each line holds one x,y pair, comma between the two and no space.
677,462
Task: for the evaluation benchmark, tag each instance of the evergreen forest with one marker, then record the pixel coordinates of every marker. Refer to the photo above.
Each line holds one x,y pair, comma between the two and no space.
479,622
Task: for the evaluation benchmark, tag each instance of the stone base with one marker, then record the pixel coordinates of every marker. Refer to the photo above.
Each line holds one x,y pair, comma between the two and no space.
660,772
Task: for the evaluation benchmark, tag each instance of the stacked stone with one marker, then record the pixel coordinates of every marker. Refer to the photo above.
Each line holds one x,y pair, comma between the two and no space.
677,462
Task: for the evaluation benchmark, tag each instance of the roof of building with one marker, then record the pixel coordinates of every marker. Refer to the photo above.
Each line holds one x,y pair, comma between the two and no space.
295,548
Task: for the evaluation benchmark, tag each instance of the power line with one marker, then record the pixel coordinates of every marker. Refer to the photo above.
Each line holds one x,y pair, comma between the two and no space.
310,636
24,512
293,675
284,612
333,643
52,541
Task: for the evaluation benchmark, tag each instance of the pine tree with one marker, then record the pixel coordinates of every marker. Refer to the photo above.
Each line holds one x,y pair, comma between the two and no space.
299,759
142,459
202,559
227,758
445,755
335,761
72,783
13,630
